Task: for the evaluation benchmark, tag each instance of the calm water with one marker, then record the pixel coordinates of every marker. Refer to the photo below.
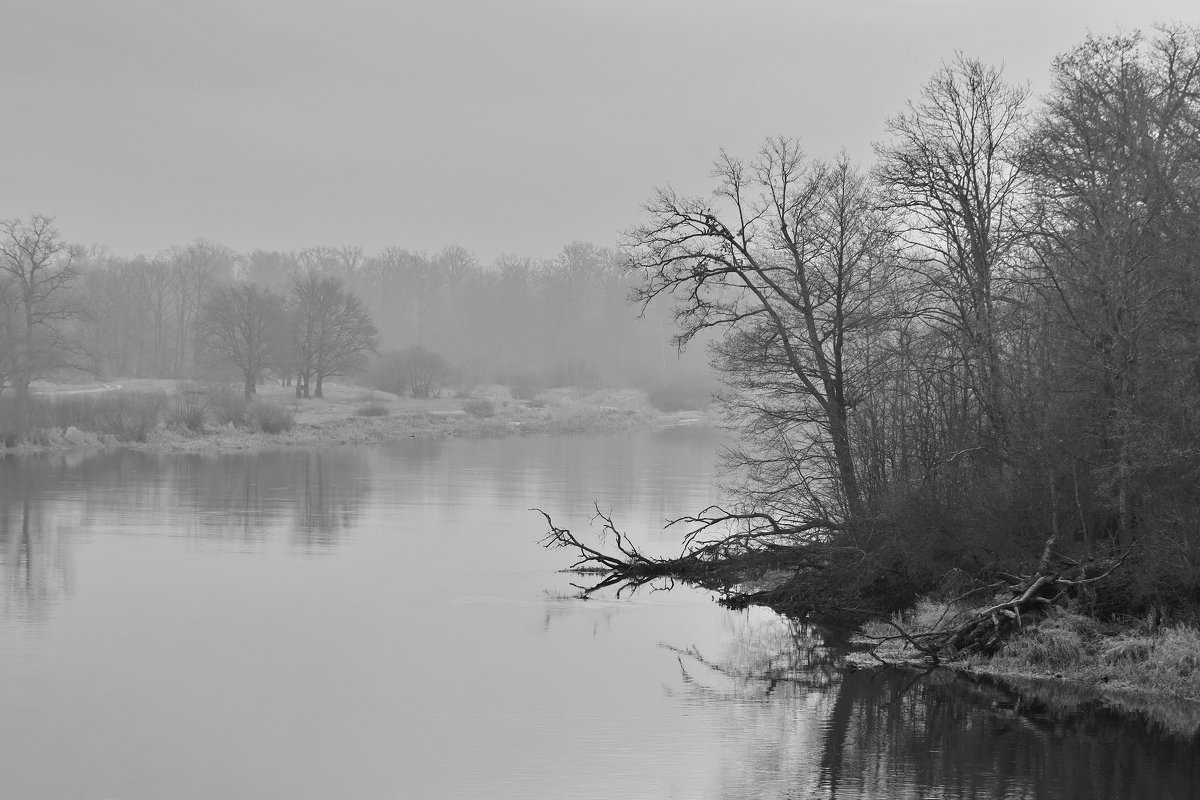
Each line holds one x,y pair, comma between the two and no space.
379,623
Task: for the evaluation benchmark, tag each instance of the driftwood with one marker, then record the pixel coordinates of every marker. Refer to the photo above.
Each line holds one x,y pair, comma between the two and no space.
985,630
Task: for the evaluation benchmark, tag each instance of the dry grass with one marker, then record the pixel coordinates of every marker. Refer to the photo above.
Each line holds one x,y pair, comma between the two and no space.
1074,647
44,421
1060,640
890,639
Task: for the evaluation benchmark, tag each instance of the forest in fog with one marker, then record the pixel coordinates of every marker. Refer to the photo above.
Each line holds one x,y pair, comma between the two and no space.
399,320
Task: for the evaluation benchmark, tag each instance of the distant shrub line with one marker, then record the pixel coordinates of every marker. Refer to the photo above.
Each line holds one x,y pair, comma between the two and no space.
129,416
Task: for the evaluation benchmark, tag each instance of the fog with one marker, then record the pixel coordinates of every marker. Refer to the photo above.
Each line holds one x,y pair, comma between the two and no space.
529,323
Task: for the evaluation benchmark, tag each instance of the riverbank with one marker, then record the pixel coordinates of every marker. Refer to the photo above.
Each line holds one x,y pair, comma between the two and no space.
1066,659
189,418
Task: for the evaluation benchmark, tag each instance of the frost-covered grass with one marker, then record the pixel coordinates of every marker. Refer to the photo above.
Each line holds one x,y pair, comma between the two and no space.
46,421
1074,647
198,417
1064,645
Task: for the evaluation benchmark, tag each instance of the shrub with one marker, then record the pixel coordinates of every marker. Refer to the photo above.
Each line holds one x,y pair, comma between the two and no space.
227,404
137,414
526,385
190,408
129,416
415,370
372,409
480,407
270,417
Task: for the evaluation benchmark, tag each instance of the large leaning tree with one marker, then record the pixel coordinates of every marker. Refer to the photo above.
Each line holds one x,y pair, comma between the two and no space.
245,325
782,261
36,272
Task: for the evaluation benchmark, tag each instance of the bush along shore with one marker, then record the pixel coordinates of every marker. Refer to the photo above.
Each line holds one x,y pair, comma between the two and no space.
182,416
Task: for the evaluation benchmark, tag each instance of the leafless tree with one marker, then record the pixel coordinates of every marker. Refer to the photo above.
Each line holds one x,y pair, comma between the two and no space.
38,268
331,330
781,262
193,270
950,172
244,324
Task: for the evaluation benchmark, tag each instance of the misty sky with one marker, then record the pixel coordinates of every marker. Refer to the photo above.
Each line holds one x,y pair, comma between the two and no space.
506,126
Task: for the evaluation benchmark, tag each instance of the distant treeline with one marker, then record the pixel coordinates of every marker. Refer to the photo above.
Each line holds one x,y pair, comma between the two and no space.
191,312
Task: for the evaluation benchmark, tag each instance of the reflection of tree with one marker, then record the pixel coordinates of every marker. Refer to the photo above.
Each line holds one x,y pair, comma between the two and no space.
238,498
330,488
796,728
33,553
943,736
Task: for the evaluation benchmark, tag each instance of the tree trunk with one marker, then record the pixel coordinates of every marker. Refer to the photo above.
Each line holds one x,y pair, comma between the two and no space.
840,433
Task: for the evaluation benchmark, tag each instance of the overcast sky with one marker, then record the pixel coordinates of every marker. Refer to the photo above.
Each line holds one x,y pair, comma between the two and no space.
506,126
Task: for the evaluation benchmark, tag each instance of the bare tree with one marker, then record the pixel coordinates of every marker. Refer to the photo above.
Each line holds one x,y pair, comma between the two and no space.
244,324
783,266
10,338
951,173
331,330
193,270
1115,156
39,268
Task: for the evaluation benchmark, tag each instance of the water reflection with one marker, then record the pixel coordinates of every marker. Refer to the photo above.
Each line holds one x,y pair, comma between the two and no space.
804,729
380,622
224,499
34,554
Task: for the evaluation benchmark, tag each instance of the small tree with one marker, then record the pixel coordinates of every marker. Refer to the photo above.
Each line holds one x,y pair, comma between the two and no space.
244,324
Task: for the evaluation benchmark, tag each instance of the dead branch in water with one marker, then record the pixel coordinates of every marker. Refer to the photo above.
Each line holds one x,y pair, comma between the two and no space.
630,569
721,564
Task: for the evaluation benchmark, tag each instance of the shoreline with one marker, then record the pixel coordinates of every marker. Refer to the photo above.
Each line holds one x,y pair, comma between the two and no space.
350,414
1068,661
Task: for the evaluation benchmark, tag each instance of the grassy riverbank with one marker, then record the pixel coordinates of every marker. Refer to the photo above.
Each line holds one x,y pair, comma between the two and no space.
173,416
1124,658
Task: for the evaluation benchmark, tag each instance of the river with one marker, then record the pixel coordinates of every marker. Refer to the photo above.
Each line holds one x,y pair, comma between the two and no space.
379,622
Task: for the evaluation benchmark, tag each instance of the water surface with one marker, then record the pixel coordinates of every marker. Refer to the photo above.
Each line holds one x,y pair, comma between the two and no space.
379,622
